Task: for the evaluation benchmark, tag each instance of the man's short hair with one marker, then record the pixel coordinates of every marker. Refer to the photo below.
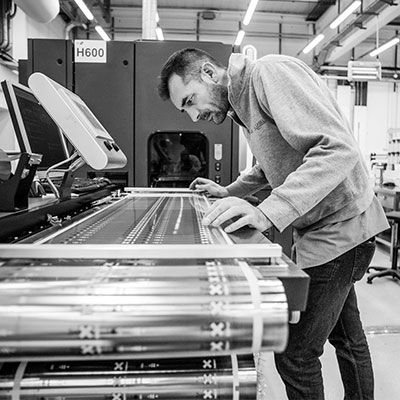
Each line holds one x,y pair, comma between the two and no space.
186,63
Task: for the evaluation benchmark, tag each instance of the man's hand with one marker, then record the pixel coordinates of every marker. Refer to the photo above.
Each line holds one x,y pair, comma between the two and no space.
240,210
204,185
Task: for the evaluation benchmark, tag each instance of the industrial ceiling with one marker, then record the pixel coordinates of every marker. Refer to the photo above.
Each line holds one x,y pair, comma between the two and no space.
280,26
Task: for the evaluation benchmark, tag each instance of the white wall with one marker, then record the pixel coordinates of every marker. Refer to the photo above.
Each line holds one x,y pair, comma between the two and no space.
25,27
372,122
344,98
383,114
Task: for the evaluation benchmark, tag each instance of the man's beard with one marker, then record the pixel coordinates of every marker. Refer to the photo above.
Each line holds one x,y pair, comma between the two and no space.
219,99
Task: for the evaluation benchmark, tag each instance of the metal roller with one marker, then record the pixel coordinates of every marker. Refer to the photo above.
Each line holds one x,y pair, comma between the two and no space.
222,377
215,307
107,318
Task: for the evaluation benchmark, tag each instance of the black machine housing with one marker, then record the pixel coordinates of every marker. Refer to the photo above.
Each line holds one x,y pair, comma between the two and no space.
122,93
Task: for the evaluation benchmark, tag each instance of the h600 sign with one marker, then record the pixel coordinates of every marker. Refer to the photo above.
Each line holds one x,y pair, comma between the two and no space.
90,51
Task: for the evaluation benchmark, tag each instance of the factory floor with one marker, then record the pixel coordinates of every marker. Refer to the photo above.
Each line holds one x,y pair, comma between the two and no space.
379,305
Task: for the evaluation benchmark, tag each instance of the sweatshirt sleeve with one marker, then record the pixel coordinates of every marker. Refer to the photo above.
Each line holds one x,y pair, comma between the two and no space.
309,119
249,183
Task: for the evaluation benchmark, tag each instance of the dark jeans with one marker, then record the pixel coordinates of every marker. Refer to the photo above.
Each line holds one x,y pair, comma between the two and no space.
332,314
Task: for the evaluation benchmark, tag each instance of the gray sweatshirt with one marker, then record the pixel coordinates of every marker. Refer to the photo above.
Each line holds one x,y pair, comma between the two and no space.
305,150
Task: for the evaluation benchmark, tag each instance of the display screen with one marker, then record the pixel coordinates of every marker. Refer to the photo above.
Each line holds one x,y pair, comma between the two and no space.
176,158
42,132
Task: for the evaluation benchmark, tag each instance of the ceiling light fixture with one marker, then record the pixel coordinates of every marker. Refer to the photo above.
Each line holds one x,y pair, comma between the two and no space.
239,37
346,13
364,70
384,47
84,9
102,33
159,33
250,12
313,43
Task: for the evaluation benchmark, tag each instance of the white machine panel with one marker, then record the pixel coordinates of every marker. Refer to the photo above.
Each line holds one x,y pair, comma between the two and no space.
78,123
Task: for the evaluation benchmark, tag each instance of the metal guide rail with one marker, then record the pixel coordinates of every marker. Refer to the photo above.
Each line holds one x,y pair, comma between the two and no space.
214,377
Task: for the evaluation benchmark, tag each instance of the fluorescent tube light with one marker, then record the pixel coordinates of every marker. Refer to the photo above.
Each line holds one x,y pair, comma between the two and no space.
85,9
346,13
250,12
102,33
384,47
313,43
239,37
159,33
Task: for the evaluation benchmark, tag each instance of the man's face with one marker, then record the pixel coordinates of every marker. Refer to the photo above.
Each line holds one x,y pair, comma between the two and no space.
202,99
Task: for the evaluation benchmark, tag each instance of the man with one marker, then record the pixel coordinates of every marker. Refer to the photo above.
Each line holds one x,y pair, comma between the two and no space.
306,151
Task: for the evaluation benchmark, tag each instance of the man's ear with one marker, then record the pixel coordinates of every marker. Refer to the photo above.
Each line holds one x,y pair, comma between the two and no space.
209,72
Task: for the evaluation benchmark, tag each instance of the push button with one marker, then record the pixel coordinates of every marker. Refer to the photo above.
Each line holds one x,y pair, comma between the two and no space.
108,145
116,148
218,166
217,178
218,151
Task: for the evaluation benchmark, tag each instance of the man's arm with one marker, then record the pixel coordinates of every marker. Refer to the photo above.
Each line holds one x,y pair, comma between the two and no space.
309,119
232,209
248,183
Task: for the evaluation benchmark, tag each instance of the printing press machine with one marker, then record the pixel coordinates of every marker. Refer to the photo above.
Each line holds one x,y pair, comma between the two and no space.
126,295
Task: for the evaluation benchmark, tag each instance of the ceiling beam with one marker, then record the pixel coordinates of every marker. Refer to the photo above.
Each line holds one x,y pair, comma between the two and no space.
357,35
319,9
